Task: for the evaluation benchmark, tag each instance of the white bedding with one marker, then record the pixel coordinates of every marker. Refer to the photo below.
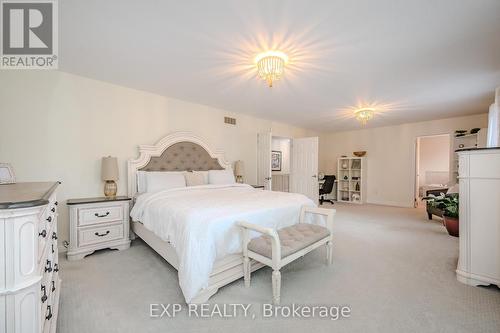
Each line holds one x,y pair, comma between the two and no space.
199,222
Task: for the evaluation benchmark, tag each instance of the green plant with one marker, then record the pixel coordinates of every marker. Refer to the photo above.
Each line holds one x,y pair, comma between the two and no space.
447,203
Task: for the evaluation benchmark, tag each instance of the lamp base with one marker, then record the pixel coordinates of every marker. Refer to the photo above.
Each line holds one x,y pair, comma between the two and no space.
110,188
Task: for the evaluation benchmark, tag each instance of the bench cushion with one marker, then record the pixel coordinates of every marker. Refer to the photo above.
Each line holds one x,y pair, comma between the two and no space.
293,238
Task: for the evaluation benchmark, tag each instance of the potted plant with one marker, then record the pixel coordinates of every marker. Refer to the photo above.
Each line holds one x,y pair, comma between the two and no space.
449,205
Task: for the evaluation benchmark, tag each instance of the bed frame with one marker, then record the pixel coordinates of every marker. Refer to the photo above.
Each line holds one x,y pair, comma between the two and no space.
183,151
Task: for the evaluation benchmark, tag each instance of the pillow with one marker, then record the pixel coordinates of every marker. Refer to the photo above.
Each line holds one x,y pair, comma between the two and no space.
158,180
194,179
205,176
221,177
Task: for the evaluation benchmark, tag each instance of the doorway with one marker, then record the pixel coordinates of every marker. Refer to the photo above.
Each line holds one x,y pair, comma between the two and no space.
432,164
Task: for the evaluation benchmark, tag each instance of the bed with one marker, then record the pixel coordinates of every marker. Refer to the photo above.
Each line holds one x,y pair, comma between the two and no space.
194,228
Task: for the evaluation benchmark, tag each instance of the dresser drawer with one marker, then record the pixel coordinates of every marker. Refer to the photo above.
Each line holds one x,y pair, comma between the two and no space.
99,214
89,236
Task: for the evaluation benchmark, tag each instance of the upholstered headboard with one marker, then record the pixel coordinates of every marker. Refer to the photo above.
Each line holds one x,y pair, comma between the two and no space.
181,151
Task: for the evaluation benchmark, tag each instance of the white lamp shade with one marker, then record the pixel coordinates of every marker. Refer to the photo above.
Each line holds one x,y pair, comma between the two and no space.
239,168
109,169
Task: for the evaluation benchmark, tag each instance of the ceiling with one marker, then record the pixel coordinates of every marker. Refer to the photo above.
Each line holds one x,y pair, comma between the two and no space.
413,60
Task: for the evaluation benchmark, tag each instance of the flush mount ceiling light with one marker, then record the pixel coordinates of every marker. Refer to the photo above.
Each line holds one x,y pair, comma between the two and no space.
271,65
364,114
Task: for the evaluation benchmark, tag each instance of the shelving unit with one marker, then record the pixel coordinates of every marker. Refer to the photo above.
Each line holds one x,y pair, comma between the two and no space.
351,186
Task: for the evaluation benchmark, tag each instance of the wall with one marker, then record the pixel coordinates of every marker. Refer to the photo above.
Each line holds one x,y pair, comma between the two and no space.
283,145
434,156
57,126
390,154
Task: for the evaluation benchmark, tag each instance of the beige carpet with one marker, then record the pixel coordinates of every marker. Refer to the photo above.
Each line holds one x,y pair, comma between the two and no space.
392,266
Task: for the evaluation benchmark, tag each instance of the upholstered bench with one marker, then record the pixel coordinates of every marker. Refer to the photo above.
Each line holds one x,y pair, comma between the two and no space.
278,248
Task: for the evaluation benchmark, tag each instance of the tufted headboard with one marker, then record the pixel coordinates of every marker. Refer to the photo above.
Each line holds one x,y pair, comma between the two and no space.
180,151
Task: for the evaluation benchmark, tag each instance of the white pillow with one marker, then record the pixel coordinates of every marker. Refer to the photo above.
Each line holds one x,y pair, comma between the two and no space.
194,179
205,175
159,180
221,177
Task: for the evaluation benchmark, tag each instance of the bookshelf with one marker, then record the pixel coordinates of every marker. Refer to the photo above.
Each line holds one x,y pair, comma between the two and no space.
351,185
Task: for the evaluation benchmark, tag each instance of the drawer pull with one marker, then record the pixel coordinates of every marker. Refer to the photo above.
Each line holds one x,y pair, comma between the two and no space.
101,235
53,210
44,297
53,285
49,218
49,309
53,248
43,233
56,203
103,215
48,266
56,267
54,235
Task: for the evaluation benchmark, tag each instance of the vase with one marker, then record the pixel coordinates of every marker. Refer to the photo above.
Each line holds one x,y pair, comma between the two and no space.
451,224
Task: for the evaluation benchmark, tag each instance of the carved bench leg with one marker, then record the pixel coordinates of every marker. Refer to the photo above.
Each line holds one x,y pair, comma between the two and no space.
247,270
329,252
276,287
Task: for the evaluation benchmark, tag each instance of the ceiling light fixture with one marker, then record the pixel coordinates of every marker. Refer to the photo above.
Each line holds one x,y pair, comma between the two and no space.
271,65
364,114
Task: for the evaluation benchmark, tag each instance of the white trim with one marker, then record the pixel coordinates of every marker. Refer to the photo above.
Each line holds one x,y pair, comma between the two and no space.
148,151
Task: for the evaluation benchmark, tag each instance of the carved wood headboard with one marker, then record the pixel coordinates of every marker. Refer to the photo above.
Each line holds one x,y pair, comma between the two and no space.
180,151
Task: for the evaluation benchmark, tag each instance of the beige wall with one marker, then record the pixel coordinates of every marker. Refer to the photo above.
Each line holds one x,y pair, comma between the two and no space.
434,152
390,154
57,126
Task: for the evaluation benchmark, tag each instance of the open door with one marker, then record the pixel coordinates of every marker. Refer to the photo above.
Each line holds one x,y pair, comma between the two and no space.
264,176
304,167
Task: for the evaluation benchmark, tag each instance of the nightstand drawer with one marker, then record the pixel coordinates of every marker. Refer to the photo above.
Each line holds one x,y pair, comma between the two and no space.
108,213
89,236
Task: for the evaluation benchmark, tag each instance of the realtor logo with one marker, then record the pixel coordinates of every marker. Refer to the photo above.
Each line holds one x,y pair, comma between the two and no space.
29,34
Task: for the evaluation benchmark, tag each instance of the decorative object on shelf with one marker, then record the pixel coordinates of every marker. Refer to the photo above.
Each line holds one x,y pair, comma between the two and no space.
354,178
275,160
475,130
343,156
346,177
109,174
7,174
359,153
239,171
345,165
356,164
460,132
270,65
449,205
357,186
364,114
356,197
461,145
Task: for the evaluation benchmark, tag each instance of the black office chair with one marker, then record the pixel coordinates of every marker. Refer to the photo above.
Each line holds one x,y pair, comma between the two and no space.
326,189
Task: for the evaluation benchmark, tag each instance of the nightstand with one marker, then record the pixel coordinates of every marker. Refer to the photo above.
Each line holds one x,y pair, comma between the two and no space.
98,223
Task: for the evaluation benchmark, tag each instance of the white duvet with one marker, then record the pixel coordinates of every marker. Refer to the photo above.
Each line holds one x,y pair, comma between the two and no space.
199,222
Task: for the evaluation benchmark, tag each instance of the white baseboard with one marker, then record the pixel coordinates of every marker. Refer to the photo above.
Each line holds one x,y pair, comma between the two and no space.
390,203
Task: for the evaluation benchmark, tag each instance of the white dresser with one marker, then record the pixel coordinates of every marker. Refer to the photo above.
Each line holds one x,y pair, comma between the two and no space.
98,223
29,277
479,178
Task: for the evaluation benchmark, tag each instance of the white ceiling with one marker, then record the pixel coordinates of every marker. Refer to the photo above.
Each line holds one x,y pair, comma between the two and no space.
417,60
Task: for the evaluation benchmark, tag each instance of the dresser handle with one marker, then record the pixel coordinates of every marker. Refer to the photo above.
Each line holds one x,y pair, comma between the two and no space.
56,267
101,235
49,218
48,266
54,235
49,308
104,215
53,210
44,297
43,233
56,203
53,248
53,285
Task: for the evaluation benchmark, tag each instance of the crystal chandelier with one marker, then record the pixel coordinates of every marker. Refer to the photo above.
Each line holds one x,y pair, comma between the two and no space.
270,65
364,114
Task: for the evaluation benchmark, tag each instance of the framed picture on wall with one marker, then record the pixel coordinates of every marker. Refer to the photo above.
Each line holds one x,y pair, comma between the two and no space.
6,174
275,160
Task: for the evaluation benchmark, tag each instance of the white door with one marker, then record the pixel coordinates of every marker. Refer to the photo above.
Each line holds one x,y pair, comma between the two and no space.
264,176
304,167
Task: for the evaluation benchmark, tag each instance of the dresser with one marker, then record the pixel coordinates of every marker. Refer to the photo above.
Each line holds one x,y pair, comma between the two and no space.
29,279
98,223
479,211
